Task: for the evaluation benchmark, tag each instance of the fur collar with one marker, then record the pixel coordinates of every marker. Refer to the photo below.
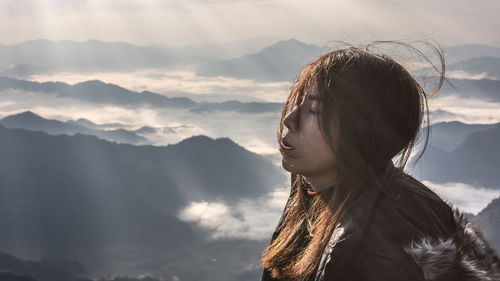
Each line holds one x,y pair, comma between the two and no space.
467,256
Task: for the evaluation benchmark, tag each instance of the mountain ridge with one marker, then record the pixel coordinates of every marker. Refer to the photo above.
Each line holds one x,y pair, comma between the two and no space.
33,122
278,62
98,92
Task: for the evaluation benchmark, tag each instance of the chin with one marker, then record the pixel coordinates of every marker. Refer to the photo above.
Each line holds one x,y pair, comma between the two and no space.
290,167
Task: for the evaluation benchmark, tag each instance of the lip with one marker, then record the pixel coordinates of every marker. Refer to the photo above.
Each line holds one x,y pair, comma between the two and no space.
286,153
285,144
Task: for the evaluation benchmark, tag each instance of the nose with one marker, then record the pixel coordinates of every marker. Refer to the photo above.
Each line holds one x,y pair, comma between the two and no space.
290,120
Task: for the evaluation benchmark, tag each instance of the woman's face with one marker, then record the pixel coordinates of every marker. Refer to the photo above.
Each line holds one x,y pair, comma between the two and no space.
305,151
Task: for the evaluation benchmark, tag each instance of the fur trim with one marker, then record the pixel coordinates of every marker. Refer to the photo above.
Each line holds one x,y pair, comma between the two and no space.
467,256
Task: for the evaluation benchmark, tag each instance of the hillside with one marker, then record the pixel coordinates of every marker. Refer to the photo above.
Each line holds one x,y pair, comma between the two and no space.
30,121
278,62
475,161
487,220
105,203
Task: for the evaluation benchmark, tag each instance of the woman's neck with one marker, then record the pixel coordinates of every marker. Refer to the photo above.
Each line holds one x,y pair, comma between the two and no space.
322,182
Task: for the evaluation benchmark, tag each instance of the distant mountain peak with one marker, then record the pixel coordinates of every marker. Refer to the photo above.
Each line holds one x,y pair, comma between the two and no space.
28,113
225,140
86,121
195,139
495,204
25,115
146,130
292,40
290,43
91,82
202,139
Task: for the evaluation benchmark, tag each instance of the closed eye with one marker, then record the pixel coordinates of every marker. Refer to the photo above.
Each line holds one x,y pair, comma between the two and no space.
315,108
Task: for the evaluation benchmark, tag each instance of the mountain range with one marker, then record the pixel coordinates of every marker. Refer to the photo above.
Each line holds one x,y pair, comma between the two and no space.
487,220
29,58
105,203
473,89
44,269
92,55
450,135
30,121
108,204
279,62
469,51
259,58
456,152
477,66
474,161
101,93
97,92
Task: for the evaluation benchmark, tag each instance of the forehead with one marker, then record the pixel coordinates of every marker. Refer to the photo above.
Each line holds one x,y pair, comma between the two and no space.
308,88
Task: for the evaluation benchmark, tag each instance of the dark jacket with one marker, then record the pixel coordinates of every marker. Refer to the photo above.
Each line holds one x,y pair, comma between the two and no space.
407,233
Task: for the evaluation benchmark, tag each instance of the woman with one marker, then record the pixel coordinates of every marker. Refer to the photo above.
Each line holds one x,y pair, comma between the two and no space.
352,214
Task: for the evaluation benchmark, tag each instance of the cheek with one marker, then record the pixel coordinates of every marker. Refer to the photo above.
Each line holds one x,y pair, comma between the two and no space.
325,156
319,155
324,152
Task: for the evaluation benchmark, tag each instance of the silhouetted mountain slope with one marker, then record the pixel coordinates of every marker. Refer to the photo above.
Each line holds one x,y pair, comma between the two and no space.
96,92
22,71
9,276
475,66
45,269
30,121
222,168
474,162
468,51
483,89
278,62
242,107
80,196
488,221
440,114
91,55
215,261
42,56
146,130
91,125
449,135
102,93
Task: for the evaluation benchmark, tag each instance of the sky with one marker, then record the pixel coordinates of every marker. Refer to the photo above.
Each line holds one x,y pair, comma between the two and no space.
184,22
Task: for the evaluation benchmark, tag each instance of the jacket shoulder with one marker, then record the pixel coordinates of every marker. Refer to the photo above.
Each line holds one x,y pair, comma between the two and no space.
435,236
409,211
466,256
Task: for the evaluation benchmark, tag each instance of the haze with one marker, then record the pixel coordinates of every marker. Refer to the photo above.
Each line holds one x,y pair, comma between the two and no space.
176,23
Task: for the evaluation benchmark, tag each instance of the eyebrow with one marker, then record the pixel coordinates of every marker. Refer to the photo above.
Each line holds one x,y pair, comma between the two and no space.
313,97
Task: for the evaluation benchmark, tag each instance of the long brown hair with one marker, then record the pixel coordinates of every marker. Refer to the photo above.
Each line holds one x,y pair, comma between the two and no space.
378,108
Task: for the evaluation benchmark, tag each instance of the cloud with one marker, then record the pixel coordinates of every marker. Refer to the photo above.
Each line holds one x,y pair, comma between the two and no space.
471,199
465,110
256,132
460,74
247,219
256,219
